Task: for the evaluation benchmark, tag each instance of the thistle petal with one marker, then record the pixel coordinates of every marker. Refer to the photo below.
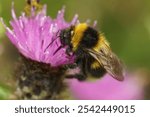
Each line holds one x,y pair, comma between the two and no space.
32,36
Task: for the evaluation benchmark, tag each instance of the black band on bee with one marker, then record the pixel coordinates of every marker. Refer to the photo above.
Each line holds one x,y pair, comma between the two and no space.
89,38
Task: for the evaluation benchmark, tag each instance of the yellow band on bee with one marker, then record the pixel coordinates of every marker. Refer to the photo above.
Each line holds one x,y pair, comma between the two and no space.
95,65
101,43
78,34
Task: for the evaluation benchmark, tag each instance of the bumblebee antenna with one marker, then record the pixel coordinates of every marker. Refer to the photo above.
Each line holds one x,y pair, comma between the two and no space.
52,40
57,50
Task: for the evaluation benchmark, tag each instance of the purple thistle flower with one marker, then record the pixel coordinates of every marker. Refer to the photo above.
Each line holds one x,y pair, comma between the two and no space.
32,36
108,89
40,72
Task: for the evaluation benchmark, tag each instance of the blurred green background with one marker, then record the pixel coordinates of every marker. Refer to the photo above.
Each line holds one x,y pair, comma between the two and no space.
125,23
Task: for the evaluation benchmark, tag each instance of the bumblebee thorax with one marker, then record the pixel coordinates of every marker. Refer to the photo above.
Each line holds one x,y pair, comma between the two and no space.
78,34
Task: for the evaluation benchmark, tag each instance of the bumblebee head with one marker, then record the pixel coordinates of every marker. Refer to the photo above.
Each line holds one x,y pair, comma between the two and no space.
66,35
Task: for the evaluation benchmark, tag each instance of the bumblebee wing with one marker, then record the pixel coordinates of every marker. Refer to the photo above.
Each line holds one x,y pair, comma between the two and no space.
109,61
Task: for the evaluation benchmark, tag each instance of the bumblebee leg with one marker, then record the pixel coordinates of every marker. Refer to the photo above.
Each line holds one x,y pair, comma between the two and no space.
70,66
80,77
68,51
82,64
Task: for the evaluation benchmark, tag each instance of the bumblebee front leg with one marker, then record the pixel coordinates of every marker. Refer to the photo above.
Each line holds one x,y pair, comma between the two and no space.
69,51
80,77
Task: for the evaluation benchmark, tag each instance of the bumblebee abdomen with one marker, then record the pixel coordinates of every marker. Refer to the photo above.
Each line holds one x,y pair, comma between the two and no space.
101,43
97,73
94,68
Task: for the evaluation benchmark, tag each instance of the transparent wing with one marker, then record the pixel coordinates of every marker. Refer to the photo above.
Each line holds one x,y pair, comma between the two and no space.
109,61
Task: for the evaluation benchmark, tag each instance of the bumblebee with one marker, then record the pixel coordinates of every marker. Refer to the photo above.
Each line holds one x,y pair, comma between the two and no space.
32,5
93,54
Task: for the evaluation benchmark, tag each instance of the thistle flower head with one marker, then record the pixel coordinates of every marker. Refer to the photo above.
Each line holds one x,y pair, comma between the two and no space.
36,37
